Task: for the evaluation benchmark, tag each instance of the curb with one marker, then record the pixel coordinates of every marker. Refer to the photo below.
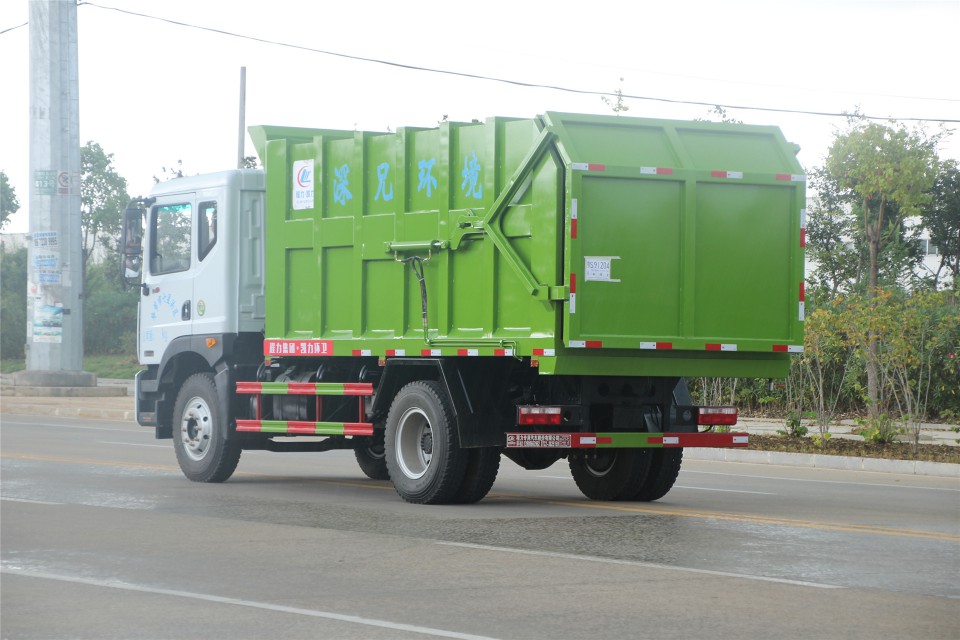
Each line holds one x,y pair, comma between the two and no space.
819,461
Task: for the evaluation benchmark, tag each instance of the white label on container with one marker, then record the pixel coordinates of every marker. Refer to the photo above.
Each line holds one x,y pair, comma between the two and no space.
303,184
597,268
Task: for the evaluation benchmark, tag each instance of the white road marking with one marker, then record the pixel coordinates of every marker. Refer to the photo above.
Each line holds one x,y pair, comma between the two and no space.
176,593
5,499
634,563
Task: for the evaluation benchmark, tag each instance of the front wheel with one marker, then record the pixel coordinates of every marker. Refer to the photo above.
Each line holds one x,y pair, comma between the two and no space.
610,474
202,451
424,458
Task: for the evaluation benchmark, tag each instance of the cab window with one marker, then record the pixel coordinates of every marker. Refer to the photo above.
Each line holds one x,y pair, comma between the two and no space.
207,228
170,250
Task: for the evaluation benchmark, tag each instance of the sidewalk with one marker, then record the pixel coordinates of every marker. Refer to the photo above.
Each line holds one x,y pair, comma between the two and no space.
120,405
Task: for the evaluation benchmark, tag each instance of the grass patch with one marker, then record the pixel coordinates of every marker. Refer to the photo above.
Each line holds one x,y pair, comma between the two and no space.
120,366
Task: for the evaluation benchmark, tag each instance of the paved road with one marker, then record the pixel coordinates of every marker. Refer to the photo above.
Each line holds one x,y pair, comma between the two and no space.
103,538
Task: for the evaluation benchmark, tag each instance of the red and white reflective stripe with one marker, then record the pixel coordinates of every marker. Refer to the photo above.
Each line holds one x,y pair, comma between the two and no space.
573,219
586,344
803,299
396,352
713,346
788,348
503,352
656,345
362,352
730,175
588,166
803,227
544,352
791,177
656,171
573,293
431,352
468,352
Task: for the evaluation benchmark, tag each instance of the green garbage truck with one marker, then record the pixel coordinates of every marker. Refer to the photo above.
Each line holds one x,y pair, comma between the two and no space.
436,299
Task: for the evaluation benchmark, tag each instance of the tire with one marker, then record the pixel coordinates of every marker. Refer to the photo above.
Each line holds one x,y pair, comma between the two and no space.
483,464
371,456
424,458
610,474
202,451
664,469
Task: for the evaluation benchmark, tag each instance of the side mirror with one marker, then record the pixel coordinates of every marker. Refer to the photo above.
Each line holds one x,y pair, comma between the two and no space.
131,245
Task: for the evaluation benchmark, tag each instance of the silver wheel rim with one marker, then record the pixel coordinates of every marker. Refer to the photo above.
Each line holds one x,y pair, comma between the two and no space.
414,443
196,428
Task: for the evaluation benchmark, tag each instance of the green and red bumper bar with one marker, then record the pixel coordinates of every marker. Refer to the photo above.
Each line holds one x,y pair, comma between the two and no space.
306,428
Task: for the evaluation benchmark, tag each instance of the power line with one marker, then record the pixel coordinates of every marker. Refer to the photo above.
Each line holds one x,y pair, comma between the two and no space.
13,28
517,83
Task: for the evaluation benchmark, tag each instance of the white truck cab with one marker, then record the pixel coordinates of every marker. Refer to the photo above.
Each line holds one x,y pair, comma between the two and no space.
195,249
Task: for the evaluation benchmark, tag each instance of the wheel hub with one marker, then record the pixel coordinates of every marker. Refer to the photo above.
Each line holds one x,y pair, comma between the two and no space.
196,427
414,443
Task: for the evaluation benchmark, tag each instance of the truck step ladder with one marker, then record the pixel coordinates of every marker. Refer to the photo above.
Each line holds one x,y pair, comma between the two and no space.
300,427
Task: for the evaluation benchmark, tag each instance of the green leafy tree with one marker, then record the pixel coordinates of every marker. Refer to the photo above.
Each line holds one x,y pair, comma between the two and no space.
13,302
830,234
887,172
9,204
103,196
941,219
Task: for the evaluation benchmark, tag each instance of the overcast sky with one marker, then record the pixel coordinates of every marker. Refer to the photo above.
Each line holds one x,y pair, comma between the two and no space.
152,92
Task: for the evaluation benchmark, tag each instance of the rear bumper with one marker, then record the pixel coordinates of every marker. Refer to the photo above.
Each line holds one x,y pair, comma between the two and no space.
624,440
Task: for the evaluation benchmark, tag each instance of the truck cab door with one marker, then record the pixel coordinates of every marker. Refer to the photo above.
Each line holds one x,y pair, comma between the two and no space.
170,266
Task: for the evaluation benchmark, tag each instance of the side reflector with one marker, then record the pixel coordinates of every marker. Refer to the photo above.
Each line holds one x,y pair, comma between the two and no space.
539,415
211,343
717,415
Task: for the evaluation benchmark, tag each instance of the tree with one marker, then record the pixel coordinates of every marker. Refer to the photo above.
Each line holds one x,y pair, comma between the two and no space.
8,200
830,232
617,105
13,302
171,173
941,219
887,173
103,196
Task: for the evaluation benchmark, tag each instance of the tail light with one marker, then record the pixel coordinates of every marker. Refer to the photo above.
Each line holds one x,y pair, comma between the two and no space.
539,415
717,415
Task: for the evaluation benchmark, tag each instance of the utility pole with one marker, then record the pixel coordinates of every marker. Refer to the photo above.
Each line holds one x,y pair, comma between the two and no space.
54,345
242,134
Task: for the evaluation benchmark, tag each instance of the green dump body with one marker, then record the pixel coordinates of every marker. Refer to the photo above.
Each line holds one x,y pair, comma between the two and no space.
595,245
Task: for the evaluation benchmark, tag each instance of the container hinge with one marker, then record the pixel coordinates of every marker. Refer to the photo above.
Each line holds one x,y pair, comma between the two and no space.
559,293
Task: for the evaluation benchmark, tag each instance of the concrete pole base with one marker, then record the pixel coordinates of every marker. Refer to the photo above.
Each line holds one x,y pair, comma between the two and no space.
40,378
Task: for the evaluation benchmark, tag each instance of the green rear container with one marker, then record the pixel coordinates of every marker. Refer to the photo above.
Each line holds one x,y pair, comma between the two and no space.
595,245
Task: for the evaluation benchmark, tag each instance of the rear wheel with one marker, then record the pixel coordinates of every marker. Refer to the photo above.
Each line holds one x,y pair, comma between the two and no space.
483,464
664,469
198,436
610,474
423,454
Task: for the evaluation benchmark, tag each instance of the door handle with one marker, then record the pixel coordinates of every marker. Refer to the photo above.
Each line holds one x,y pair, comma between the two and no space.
185,311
